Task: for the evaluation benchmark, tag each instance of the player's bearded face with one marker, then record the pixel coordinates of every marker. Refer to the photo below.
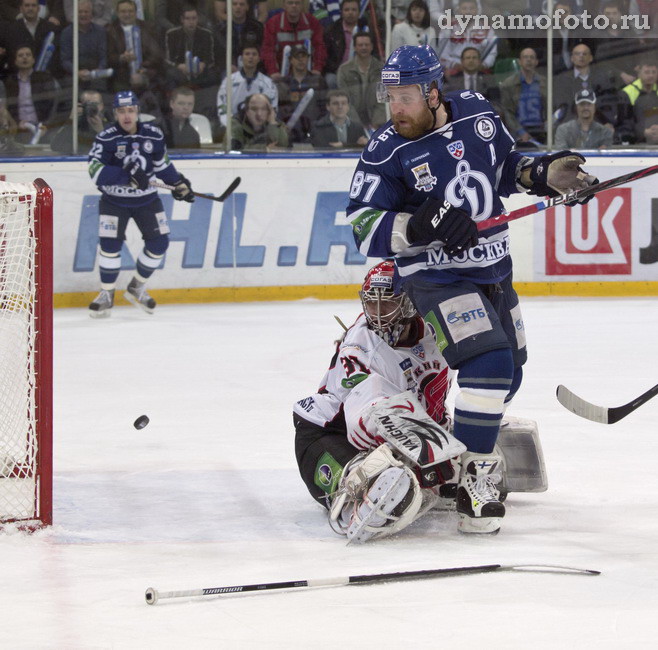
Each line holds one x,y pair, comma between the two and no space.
409,112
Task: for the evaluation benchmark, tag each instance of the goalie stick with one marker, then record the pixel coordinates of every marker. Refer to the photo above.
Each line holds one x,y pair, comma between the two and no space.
153,595
222,197
601,414
567,198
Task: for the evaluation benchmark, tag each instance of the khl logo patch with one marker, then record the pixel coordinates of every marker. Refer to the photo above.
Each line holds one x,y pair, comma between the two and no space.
456,149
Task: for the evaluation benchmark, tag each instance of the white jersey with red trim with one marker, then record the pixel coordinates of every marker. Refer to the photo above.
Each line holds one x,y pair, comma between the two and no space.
364,369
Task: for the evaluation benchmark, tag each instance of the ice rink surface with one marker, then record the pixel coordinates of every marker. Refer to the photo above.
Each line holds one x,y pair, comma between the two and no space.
209,495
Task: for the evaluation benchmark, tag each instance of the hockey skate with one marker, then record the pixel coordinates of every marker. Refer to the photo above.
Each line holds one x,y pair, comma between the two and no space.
101,306
137,295
478,504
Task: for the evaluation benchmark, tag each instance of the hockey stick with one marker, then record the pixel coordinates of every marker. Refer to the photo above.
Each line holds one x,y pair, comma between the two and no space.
153,595
601,414
222,197
567,198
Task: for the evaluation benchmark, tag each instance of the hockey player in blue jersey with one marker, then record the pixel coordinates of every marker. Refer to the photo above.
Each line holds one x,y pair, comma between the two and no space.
423,181
122,161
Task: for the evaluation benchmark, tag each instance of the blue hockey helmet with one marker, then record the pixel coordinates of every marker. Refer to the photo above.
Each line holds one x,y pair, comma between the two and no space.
410,65
125,98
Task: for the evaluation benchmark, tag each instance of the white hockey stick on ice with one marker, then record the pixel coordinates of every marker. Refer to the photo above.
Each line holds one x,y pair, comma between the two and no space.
153,595
601,414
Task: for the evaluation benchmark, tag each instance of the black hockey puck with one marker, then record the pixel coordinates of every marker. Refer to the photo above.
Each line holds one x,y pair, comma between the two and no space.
141,422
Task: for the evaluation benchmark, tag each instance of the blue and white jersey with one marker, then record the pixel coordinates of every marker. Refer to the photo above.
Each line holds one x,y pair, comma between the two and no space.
114,152
469,162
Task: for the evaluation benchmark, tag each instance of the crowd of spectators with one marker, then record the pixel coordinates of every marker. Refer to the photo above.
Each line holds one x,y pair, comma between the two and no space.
305,72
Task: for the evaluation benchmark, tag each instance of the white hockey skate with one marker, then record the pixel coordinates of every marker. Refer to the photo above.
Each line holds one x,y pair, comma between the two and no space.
137,295
101,306
478,504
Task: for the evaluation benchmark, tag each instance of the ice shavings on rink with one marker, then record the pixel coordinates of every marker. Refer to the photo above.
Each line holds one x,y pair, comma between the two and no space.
208,494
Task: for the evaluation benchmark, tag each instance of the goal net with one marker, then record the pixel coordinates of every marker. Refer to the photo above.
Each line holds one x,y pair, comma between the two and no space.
26,353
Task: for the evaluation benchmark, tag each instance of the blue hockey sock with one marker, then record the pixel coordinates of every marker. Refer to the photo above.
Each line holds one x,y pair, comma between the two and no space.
484,382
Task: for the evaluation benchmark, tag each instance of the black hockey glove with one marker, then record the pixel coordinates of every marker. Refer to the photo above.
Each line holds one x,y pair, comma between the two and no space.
560,173
183,191
138,178
439,220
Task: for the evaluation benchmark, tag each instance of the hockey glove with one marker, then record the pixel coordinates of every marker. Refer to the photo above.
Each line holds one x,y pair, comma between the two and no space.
560,173
183,191
440,220
138,178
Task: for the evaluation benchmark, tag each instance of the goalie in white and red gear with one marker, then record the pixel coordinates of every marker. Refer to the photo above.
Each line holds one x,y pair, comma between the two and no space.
387,351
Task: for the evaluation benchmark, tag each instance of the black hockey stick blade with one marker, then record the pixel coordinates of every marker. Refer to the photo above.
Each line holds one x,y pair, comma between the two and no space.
152,595
602,414
230,189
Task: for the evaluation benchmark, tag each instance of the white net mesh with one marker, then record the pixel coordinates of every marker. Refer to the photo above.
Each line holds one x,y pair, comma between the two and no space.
18,440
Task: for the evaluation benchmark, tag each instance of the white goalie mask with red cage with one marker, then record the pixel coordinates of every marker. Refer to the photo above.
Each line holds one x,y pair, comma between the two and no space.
387,311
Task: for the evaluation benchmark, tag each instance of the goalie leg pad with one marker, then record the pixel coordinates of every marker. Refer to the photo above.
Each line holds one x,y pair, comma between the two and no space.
523,467
378,496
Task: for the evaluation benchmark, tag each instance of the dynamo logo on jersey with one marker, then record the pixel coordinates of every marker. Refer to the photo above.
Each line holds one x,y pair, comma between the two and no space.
460,190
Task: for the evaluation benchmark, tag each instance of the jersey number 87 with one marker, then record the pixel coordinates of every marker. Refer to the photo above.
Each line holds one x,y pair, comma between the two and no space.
370,180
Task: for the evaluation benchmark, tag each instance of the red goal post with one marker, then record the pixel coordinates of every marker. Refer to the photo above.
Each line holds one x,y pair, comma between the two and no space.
26,353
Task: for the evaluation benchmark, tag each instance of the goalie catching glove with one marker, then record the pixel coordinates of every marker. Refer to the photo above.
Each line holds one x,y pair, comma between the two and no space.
183,190
557,173
439,220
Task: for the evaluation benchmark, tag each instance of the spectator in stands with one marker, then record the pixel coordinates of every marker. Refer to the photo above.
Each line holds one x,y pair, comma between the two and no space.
178,131
189,52
245,82
258,10
336,129
642,98
602,80
8,127
256,126
292,27
471,76
168,13
616,48
102,11
452,41
90,113
30,29
564,39
131,48
583,132
338,39
31,96
247,30
523,99
645,82
292,89
92,49
416,28
149,99
359,79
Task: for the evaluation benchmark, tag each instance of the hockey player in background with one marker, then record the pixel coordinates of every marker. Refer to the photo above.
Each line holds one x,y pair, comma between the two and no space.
425,178
122,161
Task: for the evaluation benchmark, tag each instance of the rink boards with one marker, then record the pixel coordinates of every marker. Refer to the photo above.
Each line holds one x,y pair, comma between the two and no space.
284,235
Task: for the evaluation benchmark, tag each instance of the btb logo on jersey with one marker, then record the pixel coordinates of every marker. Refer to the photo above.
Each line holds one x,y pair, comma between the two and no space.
121,151
485,128
456,149
424,179
148,146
